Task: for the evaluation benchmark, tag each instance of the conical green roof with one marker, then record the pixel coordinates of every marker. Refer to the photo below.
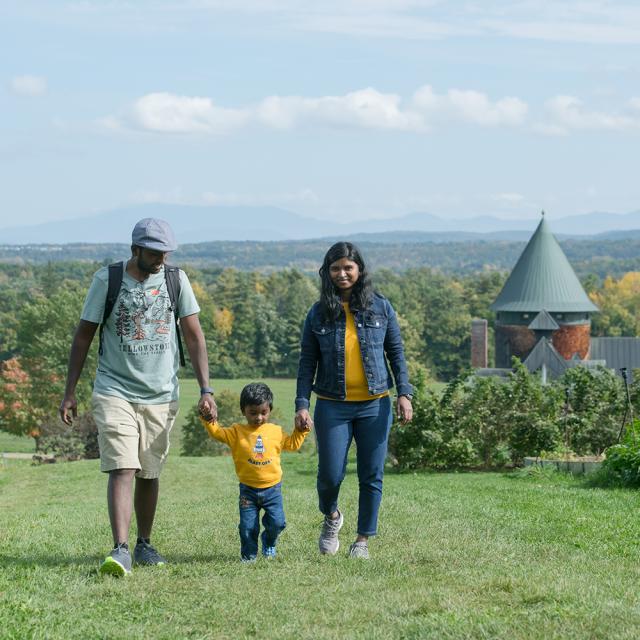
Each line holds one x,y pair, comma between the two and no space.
543,279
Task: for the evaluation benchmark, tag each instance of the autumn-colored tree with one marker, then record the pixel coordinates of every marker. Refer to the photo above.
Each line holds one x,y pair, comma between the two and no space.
619,301
18,413
32,384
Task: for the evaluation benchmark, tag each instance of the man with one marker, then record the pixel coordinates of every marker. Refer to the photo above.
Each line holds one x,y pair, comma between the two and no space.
135,395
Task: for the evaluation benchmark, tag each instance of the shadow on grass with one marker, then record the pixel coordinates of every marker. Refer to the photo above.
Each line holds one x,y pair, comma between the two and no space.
87,564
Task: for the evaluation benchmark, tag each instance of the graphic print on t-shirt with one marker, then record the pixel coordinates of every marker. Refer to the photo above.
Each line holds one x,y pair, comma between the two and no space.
259,448
143,320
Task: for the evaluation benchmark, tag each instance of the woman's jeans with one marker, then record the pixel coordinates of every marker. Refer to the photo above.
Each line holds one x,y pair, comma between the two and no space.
336,424
251,501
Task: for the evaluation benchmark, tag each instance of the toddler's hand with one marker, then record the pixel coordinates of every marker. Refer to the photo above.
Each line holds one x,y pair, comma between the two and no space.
305,428
205,414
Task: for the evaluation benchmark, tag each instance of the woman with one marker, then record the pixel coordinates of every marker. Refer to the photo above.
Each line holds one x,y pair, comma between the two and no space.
345,339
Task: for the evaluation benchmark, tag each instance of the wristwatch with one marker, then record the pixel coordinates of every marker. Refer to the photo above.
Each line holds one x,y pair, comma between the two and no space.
406,395
204,390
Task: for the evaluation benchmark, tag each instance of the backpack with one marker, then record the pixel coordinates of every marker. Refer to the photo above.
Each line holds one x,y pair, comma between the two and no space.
172,279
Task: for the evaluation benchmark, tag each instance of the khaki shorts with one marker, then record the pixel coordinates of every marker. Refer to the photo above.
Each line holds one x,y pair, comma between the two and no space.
133,436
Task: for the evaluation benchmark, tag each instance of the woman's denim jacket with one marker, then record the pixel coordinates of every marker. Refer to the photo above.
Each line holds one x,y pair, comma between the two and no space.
322,353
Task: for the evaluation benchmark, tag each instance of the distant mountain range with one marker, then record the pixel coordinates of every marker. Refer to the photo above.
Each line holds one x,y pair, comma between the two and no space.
205,224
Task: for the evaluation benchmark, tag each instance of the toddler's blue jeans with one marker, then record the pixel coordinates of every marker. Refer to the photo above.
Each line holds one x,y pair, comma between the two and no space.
273,522
337,424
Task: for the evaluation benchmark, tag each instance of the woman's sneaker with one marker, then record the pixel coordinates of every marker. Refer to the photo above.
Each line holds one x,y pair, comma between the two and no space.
359,550
328,542
146,554
118,562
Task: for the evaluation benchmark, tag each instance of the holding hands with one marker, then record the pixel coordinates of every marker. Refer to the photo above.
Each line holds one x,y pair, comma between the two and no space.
208,408
302,420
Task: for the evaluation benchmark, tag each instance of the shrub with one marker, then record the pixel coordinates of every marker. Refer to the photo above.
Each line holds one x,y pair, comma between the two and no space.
595,405
622,463
75,442
492,422
195,439
429,440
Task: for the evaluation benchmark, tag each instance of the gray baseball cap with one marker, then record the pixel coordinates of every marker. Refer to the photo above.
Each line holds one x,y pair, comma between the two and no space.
155,234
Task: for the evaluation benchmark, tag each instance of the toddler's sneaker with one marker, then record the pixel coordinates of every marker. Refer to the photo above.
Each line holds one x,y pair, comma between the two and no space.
145,554
269,552
328,542
118,562
359,550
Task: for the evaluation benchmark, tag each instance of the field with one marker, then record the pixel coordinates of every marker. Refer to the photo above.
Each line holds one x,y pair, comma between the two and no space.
459,556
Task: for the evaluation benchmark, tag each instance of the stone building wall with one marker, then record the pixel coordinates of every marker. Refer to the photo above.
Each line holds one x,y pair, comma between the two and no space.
513,340
572,338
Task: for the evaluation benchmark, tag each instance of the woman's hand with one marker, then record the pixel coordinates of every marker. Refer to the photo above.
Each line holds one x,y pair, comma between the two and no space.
303,420
404,410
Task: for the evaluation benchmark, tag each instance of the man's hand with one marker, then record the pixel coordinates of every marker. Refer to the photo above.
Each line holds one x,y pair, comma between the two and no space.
404,410
208,408
68,409
303,420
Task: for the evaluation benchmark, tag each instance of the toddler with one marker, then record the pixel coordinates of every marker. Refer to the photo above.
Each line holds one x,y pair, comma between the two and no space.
255,447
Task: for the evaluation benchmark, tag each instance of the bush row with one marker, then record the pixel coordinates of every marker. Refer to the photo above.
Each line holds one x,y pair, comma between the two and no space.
495,422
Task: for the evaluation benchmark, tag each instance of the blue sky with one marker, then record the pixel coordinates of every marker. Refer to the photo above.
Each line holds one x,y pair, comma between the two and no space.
344,109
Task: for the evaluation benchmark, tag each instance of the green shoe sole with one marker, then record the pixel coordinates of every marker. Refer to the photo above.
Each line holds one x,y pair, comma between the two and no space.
111,567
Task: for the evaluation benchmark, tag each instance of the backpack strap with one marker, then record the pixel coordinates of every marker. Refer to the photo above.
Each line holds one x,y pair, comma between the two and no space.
115,282
172,278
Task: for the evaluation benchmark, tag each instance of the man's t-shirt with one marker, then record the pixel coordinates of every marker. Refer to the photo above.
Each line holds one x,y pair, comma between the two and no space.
140,357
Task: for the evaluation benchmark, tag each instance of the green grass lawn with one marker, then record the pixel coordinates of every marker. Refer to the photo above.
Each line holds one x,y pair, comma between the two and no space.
15,444
458,556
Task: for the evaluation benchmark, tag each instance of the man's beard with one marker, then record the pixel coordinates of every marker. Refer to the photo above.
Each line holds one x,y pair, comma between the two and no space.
144,267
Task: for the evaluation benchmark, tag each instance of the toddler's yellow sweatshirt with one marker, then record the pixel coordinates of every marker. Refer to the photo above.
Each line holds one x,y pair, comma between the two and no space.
256,450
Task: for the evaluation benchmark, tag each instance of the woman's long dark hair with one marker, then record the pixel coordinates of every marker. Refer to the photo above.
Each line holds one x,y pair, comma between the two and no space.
362,292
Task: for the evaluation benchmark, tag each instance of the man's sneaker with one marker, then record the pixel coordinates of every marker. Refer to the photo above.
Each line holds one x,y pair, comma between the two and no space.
248,559
146,554
328,542
269,552
359,550
117,563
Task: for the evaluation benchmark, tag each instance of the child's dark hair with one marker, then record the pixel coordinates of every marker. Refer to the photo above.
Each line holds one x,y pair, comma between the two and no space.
330,303
256,393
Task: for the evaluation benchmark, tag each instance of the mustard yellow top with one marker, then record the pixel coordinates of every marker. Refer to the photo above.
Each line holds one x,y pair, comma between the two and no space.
357,387
256,450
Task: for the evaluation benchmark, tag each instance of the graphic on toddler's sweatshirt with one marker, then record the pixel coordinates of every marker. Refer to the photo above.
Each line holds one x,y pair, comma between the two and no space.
259,448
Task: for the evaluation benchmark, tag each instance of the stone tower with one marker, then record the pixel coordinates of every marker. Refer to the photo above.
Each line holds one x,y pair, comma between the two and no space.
542,297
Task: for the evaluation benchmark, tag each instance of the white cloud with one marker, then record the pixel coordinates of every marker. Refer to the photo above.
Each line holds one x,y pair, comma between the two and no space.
169,113
365,109
29,86
362,109
567,113
583,21
470,106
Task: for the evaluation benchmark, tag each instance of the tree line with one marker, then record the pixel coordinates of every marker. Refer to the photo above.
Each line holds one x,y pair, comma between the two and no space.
252,322
601,257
